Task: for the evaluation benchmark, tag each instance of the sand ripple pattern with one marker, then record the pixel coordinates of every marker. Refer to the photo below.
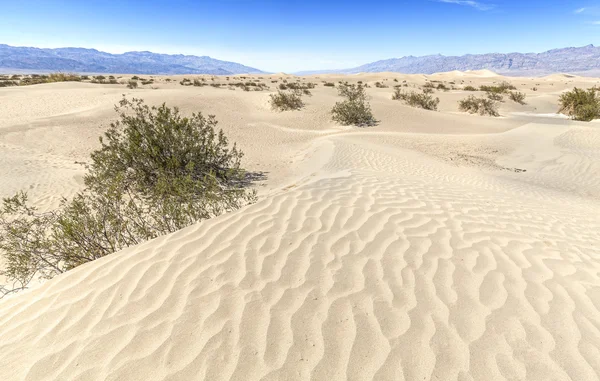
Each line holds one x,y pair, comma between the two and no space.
363,277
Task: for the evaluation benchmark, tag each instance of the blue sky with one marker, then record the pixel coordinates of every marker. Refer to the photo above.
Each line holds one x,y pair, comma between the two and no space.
303,35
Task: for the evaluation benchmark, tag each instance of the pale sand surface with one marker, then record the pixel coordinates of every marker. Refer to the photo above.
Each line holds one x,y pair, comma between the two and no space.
413,250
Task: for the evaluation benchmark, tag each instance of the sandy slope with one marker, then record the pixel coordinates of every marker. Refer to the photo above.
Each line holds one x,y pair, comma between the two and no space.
414,250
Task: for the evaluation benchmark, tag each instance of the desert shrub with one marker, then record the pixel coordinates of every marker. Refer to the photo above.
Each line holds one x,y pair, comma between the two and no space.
580,104
494,96
355,110
197,83
63,77
481,106
8,83
132,84
428,90
517,96
287,100
429,85
442,87
329,84
135,78
156,172
501,88
380,85
414,99
469,88
148,82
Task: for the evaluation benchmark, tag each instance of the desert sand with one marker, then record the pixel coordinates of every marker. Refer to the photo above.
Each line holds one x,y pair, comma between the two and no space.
432,246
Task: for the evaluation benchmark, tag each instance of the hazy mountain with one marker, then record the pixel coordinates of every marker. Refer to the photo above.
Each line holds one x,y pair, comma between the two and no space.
93,61
568,60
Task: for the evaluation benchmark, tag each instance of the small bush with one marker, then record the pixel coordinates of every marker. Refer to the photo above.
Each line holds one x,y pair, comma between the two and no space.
155,173
469,88
355,110
414,99
132,84
481,106
501,88
284,101
63,77
329,84
494,96
442,87
580,104
380,85
516,96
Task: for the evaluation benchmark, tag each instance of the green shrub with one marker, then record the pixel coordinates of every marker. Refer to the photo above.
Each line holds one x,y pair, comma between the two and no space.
580,104
155,173
501,88
517,96
329,84
469,88
380,85
8,83
442,87
63,77
494,96
355,110
414,99
481,106
290,100
132,84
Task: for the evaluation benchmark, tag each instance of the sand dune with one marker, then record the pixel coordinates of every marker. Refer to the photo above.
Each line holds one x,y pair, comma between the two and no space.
433,246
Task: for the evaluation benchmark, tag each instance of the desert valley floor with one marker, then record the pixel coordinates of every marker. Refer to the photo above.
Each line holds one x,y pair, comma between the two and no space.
432,246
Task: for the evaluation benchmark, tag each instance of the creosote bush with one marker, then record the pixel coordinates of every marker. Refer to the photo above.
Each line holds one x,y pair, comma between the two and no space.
414,99
287,100
155,173
481,106
580,104
469,88
132,84
517,97
355,109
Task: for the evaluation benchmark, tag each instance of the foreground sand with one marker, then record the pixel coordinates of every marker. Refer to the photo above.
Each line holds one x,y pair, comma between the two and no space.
414,250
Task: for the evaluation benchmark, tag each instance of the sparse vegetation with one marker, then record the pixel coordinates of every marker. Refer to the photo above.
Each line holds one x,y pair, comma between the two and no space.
287,100
414,99
155,173
481,106
132,84
580,104
494,96
517,97
469,88
329,84
355,110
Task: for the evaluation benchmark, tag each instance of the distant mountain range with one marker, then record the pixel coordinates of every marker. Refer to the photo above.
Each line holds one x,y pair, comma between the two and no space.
568,60
583,60
81,60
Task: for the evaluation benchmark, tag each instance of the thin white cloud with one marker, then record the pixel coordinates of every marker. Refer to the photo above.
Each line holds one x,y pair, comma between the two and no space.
469,3
580,10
